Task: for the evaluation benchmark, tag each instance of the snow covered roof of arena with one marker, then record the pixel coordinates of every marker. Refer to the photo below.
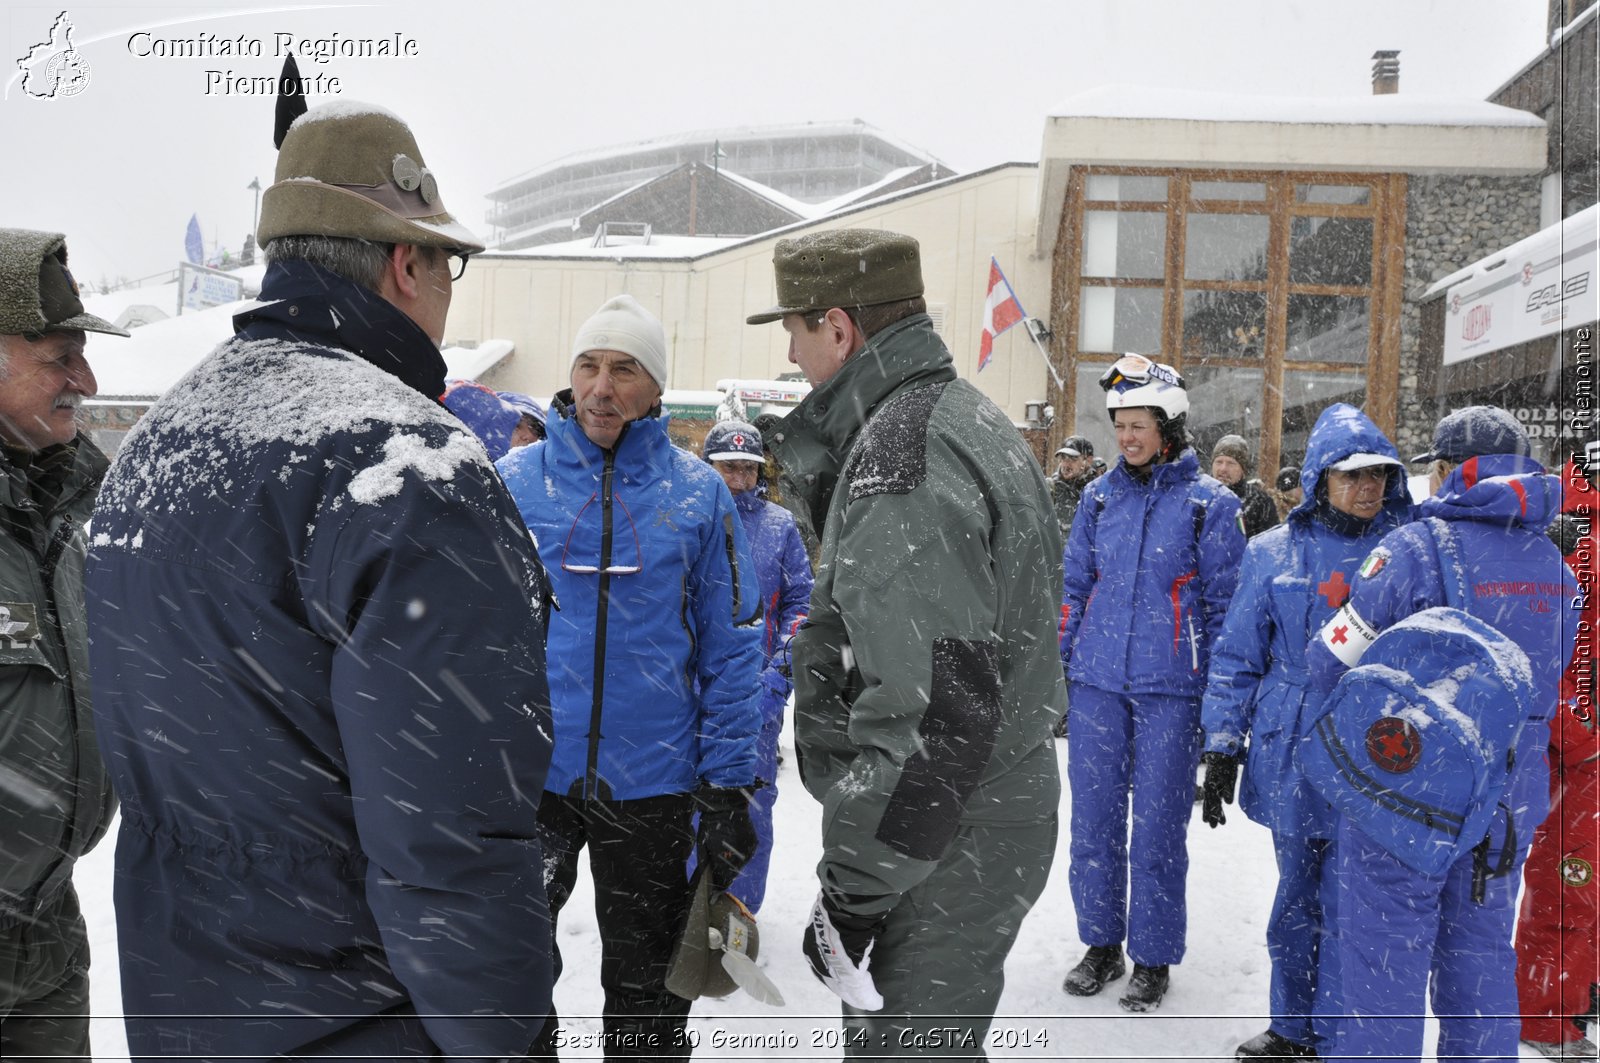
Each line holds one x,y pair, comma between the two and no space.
1136,101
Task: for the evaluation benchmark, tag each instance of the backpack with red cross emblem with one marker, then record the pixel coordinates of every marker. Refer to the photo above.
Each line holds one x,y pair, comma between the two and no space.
1415,742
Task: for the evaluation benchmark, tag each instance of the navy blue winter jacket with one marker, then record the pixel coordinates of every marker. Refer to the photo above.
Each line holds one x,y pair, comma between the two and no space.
1149,570
318,658
655,685
1293,577
1497,508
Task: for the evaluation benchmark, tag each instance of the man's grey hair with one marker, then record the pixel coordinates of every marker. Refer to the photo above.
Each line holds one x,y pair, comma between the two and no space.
354,259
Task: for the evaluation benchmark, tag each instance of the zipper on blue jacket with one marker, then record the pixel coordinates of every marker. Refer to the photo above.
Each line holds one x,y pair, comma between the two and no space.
591,785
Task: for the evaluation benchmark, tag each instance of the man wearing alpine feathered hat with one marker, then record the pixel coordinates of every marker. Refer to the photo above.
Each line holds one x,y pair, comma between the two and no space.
319,651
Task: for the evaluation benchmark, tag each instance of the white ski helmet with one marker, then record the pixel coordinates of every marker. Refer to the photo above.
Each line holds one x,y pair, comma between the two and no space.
1135,380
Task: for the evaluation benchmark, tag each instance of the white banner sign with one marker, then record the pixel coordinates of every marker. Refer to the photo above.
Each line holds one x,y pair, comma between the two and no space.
200,287
1540,288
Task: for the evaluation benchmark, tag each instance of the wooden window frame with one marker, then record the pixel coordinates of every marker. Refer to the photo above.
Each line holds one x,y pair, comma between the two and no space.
1384,293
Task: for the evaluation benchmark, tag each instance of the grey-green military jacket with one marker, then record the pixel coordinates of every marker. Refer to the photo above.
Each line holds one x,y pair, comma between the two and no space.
927,677
55,796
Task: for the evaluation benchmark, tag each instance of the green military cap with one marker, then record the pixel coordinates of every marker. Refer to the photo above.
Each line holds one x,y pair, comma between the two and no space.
354,170
847,268
37,291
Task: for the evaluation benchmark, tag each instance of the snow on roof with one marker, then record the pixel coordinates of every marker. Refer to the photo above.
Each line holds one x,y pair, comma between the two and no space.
788,203
1136,101
1584,16
626,247
861,195
157,355
1581,227
732,134
688,247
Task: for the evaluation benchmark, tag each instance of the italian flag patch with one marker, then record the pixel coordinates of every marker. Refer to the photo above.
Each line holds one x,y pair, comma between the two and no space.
1374,563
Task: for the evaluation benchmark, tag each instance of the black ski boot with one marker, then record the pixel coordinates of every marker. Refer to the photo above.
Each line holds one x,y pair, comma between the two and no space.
1270,1045
1101,964
1145,989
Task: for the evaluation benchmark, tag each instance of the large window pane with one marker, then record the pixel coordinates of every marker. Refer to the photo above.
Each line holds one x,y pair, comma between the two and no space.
1222,400
1131,244
1328,328
1332,194
1237,191
1120,320
1224,324
1305,395
1330,251
1092,419
1126,189
1226,247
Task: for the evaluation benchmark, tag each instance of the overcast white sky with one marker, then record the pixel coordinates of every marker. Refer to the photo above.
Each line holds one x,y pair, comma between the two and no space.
498,87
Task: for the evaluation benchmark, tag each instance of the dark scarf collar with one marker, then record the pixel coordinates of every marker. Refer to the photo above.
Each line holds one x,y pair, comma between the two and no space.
304,302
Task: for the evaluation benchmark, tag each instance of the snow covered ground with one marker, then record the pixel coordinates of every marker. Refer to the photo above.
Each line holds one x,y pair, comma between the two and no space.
1218,996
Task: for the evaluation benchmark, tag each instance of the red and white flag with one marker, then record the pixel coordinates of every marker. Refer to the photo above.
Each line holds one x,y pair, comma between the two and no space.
1001,310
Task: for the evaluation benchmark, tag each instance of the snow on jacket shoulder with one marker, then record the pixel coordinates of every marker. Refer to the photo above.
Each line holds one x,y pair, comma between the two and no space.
657,641
319,669
1149,570
1293,577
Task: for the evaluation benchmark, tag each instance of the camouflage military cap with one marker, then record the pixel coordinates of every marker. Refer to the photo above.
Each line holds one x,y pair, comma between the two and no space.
844,268
37,291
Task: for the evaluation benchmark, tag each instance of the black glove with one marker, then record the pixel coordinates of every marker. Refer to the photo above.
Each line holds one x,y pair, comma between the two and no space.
838,946
1222,771
727,838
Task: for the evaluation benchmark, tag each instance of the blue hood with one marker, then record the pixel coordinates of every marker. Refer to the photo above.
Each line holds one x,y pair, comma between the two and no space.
1505,489
1342,430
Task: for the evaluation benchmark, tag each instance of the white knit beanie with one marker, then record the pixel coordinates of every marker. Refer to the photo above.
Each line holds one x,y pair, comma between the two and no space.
621,324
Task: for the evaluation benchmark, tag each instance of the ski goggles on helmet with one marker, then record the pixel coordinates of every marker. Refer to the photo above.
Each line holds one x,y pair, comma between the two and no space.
1134,370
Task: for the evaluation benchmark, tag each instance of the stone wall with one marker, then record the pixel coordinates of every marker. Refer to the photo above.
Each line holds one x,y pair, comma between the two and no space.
1451,222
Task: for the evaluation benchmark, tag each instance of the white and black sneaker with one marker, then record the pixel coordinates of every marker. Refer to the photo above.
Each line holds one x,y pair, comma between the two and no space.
1145,989
1272,1045
1101,964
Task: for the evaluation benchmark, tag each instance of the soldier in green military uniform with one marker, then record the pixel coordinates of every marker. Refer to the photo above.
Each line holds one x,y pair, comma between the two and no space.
55,797
926,679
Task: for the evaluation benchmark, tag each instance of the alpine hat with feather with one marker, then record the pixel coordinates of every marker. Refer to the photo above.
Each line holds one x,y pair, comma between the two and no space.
353,170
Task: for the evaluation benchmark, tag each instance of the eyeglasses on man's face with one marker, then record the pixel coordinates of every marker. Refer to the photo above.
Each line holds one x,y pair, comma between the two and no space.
458,263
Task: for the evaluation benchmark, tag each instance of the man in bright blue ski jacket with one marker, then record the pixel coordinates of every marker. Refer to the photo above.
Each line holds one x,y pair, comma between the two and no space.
1293,578
1396,926
655,651
318,655
734,449
1150,567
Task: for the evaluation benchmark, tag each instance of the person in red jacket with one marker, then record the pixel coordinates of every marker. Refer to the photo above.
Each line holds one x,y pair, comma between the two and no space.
1558,958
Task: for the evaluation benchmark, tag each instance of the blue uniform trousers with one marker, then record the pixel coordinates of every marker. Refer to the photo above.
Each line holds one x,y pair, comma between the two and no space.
1140,750
1398,927
751,885
1301,940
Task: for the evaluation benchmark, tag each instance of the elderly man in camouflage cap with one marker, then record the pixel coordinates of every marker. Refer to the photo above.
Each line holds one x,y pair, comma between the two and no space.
926,683
319,641
55,797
